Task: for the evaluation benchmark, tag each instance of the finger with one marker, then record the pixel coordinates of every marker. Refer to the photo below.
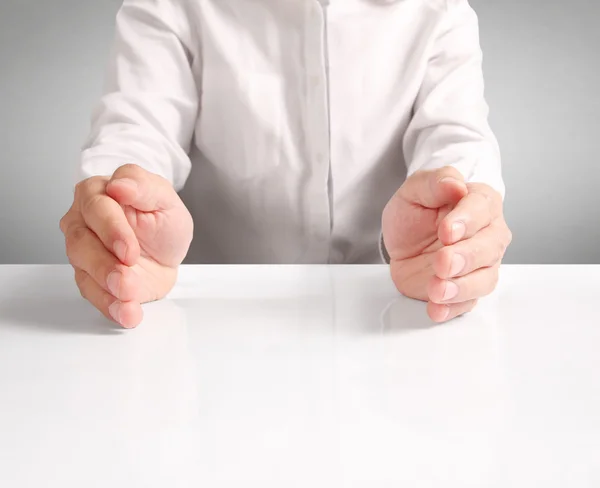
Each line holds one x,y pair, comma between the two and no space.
411,276
127,314
86,252
67,219
472,213
145,191
105,217
434,189
472,286
484,249
443,313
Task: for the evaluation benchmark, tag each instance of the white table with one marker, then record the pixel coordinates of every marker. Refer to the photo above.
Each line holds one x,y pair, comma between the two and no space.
301,377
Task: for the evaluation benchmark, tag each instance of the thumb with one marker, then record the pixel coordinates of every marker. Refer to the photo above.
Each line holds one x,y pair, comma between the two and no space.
434,189
147,192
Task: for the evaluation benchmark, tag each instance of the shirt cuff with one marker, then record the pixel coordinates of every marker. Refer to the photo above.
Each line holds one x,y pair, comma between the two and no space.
385,257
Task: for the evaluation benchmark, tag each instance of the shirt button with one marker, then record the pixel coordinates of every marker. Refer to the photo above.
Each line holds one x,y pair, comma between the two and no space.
315,81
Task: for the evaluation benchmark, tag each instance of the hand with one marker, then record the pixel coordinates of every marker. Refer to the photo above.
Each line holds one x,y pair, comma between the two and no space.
125,238
446,239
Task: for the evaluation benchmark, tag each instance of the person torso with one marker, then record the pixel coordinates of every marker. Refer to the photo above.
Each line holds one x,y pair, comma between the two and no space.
298,144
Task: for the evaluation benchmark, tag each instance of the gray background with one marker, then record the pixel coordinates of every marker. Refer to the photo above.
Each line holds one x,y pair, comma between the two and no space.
542,74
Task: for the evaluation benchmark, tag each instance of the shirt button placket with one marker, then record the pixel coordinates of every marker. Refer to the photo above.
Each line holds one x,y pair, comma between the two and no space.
318,119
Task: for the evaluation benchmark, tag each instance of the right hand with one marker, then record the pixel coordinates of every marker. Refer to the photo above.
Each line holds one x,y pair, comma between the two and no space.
125,237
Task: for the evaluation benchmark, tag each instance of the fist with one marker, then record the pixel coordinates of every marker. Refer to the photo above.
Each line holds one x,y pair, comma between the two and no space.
446,240
125,238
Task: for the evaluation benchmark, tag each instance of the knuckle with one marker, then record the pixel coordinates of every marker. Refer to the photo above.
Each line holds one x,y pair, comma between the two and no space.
509,237
79,234
62,224
83,187
79,189
74,238
489,197
71,258
485,200
448,171
130,170
483,197
91,203
88,187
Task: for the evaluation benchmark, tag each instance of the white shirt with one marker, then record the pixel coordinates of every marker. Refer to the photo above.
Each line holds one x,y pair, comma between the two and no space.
292,122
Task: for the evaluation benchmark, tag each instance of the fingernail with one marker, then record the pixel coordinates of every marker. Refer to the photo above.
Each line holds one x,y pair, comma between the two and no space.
445,313
449,179
114,283
457,265
114,311
128,182
451,291
120,250
458,231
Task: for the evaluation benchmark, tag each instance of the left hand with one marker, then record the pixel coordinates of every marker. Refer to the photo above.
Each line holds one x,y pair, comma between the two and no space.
446,240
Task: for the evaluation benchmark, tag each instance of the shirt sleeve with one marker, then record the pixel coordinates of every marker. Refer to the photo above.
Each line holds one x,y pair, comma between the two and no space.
450,119
150,103
383,253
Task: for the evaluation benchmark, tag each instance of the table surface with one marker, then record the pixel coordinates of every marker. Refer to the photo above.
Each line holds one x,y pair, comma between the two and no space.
301,377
